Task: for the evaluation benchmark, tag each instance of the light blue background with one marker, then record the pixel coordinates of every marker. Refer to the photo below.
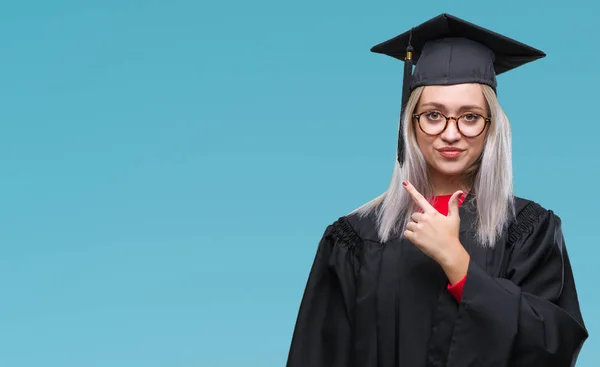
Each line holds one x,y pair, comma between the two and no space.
168,167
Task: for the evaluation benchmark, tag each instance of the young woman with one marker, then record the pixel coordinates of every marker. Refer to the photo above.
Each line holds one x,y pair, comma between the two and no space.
447,267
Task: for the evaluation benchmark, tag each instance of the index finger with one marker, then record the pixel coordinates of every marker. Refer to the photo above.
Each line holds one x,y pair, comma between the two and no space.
417,197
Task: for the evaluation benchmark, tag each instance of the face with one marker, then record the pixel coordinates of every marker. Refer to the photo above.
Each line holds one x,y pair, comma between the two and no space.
451,153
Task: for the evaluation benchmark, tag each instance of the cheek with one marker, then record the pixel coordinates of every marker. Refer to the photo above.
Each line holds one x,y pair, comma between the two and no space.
479,143
477,147
425,143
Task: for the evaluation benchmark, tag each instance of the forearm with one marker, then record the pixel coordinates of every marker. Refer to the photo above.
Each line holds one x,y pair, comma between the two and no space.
455,263
510,326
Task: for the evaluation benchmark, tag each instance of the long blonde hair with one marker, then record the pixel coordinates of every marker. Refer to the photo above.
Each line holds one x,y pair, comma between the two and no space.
491,178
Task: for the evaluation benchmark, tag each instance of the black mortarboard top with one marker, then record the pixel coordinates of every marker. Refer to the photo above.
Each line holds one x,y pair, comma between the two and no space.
448,50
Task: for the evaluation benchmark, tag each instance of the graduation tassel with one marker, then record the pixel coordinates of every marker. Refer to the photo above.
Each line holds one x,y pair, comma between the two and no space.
406,81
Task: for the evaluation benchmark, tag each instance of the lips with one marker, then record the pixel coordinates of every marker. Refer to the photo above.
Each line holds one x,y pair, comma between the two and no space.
450,149
450,152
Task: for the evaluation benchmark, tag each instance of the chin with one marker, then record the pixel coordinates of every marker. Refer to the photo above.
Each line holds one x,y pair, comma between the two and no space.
450,168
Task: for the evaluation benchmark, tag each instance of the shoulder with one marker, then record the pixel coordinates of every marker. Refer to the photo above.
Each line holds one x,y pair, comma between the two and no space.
530,217
353,227
528,207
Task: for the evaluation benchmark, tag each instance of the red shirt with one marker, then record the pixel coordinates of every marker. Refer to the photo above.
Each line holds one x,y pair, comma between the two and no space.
441,204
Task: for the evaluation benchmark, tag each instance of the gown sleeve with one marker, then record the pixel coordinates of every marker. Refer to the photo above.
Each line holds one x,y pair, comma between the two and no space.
531,315
322,335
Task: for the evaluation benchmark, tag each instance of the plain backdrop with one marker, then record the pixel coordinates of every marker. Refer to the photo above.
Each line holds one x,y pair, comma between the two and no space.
168,167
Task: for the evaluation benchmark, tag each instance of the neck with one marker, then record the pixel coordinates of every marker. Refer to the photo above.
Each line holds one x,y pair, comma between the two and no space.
447,185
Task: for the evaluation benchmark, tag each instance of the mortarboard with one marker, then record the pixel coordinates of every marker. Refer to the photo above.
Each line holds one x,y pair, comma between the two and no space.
448,50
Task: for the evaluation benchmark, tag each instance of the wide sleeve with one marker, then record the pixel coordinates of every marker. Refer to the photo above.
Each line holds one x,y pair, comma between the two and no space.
531,315
322,335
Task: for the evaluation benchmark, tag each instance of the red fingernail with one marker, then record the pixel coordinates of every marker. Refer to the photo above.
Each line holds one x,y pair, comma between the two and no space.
404,183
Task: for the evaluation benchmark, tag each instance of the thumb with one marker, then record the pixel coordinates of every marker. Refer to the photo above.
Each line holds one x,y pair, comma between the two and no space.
453,204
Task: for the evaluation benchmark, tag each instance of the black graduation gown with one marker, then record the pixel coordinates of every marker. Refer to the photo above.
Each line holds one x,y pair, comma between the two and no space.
372,304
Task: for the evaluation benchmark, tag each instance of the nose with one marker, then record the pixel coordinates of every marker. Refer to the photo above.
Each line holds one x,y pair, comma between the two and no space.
451,134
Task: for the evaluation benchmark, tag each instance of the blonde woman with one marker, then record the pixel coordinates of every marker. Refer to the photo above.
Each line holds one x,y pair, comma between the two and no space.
447,267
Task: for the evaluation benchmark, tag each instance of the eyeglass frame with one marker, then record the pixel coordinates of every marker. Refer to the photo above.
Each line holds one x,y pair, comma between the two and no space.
487,120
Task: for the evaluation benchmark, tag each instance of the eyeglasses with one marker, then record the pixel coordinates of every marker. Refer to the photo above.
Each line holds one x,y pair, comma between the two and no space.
434,123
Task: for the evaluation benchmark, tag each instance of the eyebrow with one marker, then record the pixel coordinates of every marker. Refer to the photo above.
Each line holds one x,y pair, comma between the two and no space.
462,108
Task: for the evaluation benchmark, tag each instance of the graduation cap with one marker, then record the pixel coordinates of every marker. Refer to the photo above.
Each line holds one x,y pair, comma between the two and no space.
448,50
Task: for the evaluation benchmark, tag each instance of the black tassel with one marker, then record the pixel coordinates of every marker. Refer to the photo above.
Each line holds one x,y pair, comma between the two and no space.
406,81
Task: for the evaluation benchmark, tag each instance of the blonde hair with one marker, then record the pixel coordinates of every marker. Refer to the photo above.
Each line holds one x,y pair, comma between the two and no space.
491,178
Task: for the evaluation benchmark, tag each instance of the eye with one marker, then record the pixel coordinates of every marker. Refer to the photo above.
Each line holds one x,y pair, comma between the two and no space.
471,117
433,115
